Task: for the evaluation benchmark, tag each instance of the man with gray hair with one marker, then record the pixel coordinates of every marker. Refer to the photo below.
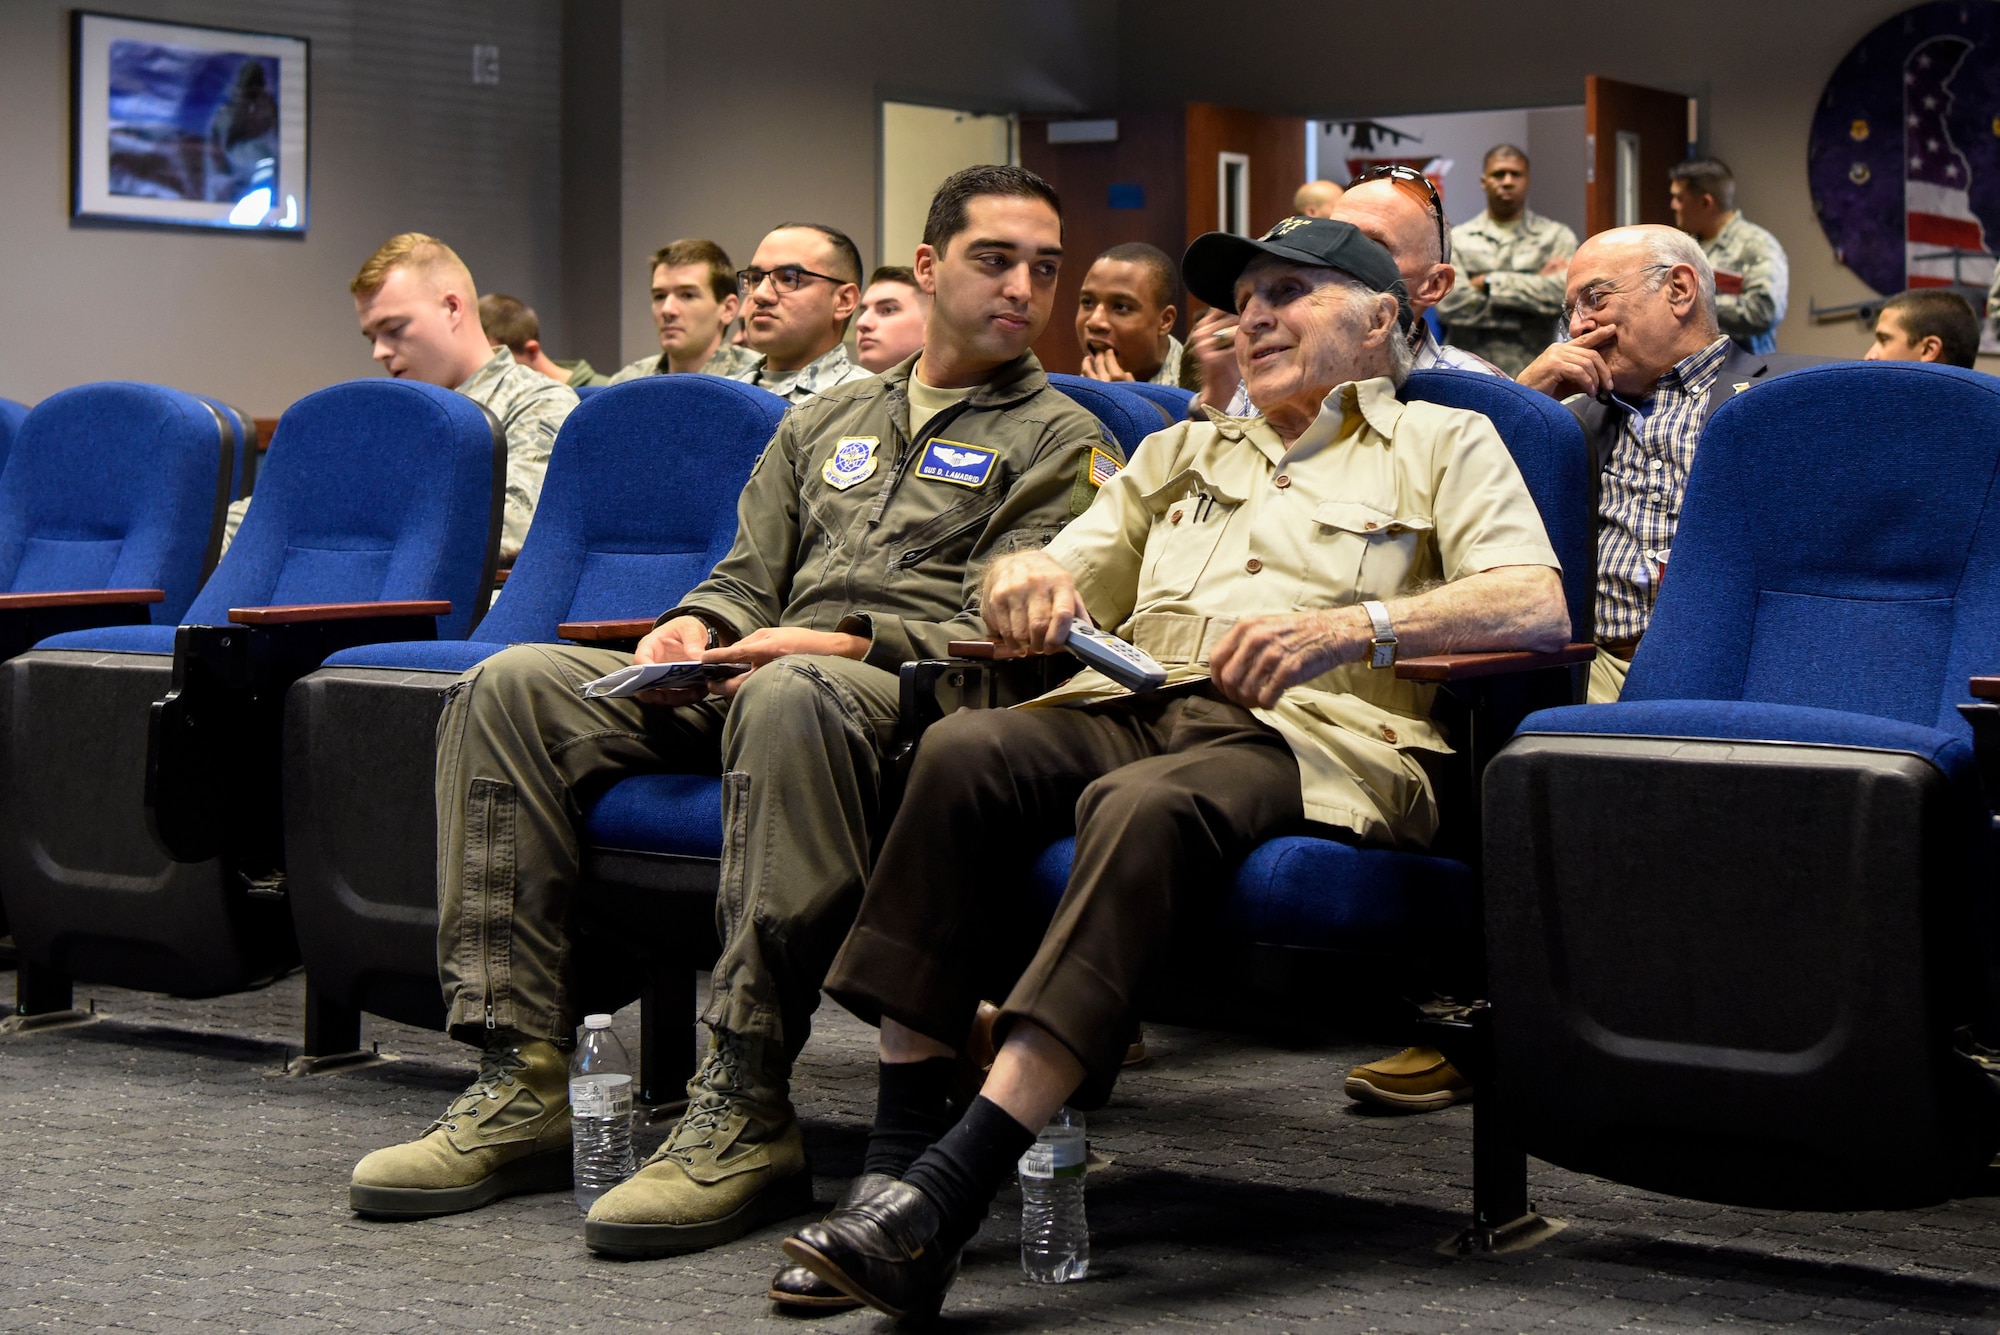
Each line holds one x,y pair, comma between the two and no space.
1752,276
1215,552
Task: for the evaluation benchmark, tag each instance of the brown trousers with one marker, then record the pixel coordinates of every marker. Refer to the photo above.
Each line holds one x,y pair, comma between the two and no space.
1166,795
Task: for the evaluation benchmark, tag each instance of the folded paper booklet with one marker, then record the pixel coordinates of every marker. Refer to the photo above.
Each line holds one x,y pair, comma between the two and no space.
659,676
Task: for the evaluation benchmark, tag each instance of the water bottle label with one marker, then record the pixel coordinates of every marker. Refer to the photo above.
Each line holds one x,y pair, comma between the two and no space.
1059,1159
601,1096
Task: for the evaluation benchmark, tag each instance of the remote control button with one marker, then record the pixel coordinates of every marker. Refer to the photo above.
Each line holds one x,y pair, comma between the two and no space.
1253,565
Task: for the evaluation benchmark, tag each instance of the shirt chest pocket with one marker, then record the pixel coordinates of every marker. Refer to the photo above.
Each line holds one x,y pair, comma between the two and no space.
1358,551
1189,516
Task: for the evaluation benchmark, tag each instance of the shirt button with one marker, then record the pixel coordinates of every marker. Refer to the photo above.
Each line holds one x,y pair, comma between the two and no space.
1654,498
1253,565
1388,734
1371,524
1656,464
1281,481
1174,518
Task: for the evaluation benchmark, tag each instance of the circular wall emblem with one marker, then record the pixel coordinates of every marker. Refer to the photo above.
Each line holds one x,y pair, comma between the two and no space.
1904,157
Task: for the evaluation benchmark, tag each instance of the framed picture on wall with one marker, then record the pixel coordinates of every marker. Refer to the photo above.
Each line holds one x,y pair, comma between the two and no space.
178,126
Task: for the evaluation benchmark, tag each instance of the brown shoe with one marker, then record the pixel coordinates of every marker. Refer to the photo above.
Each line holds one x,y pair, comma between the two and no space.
1414,1080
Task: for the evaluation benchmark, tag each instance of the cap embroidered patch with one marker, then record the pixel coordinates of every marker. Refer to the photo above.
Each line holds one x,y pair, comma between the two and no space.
853,460
1102,468
960,465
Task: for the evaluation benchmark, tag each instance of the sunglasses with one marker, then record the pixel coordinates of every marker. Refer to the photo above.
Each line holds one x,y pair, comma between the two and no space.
1410,177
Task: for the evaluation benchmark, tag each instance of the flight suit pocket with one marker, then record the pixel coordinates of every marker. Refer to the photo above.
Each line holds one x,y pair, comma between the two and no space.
1189,515
1360,551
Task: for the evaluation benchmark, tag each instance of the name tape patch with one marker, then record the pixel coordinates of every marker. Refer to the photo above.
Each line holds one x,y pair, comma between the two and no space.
960,465
853,461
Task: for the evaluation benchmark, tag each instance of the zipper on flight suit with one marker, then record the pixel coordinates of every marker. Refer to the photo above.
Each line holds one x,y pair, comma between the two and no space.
931,428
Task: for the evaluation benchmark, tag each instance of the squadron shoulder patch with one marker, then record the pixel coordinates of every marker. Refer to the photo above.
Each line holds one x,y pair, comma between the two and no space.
853,461
960,465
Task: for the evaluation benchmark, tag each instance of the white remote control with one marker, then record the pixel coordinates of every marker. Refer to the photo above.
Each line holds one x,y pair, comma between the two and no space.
1129,666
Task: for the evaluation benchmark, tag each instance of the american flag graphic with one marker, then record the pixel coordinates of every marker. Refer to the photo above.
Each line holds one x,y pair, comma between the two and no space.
1938,217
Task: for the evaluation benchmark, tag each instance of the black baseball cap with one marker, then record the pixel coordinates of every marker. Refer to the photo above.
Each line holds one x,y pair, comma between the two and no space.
1217,259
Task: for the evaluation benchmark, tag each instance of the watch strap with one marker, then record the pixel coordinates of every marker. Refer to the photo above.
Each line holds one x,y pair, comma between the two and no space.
1383,653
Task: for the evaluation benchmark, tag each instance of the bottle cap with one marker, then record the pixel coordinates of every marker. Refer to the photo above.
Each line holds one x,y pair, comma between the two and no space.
597,1022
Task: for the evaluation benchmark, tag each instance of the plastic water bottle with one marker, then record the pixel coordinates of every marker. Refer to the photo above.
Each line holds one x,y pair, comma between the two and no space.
1055,1236
600,1109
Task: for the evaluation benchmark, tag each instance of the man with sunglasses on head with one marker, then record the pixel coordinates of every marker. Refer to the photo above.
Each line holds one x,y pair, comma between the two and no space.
800,290
861,536
1400,210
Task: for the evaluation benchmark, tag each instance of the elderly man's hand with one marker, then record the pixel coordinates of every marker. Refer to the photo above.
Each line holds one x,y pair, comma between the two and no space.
1261,656
1029,601
677,641
1220,374
1575,367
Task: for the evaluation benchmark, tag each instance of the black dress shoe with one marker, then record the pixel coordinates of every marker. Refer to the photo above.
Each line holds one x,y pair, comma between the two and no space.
883,1249
796,1286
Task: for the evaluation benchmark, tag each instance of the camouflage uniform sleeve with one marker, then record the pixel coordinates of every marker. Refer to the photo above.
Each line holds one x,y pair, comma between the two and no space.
233,521
747,589
1993,297
1535,293
1760,262
1041,501
1464,304
531,424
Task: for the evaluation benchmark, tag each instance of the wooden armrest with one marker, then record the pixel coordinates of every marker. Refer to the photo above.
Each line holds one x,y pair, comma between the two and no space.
981,649
305,612
1464,667
606,632
81,598
1986,688
500,575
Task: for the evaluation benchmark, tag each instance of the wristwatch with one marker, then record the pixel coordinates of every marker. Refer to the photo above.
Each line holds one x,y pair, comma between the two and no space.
1384,653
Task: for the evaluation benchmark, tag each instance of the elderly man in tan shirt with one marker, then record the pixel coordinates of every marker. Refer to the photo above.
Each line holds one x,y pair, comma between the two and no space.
1276,565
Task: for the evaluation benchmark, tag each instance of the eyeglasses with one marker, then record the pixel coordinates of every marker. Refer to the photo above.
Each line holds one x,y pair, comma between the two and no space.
784,278
1591,300
1410,176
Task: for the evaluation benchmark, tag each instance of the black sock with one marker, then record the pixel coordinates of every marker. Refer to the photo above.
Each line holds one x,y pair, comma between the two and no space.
963,1172
911,1113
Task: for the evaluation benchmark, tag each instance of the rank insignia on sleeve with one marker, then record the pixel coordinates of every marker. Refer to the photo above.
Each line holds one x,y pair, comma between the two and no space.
960,465
1102,467
852,461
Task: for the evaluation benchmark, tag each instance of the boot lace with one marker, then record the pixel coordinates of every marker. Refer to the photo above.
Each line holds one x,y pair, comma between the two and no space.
497,1066
712,1097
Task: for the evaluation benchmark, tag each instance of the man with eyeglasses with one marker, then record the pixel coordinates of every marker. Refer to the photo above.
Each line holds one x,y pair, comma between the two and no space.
861,536
800,290
1400,210
1510,263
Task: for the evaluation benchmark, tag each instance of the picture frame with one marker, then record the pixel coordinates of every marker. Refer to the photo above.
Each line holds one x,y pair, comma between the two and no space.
173,125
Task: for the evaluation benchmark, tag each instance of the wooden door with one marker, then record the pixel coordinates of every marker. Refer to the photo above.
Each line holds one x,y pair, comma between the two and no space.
1272,149
1633,135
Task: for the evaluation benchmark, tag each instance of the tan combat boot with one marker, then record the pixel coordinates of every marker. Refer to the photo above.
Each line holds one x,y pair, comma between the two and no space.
735,1162
507,1134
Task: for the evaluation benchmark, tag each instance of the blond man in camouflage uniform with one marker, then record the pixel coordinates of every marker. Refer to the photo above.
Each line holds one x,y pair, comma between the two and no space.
1511,262
1753,278
420,312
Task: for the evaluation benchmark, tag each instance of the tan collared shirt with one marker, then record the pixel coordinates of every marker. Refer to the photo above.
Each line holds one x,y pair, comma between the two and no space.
1216,520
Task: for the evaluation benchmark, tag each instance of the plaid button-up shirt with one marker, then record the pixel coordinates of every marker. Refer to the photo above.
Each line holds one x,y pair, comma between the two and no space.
1639,506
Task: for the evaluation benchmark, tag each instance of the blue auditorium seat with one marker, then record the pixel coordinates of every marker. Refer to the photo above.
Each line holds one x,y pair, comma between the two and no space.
639,504
1303,893
376,491
242,430
12,414
1124,418
1169,399
585,391
1740,922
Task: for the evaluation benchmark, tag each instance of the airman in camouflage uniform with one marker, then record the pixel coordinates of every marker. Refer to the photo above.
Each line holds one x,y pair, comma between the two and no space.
815,377
1753,279
1510,262
730,361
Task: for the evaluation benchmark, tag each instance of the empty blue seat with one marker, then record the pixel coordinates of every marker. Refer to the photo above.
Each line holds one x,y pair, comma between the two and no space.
639,504
1125,418
1740,922
12,414
376,490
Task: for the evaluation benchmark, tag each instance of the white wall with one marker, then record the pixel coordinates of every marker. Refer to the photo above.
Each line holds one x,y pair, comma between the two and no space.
1552,137
402,140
